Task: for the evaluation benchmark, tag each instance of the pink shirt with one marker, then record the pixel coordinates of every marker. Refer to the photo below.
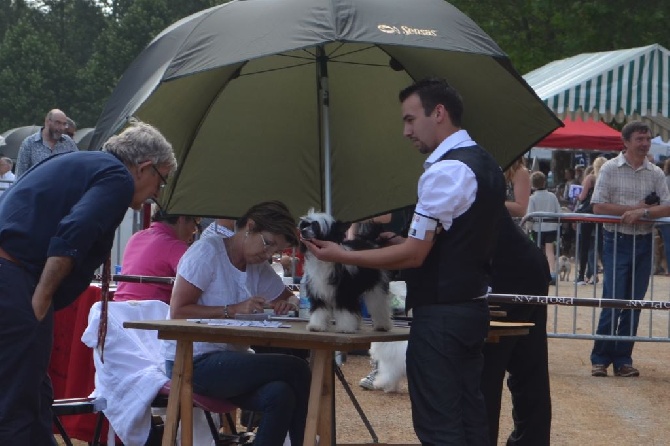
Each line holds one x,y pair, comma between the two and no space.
154,251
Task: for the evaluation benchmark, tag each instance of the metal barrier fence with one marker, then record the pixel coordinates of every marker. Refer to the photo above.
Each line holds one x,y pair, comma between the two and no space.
4,185
576,307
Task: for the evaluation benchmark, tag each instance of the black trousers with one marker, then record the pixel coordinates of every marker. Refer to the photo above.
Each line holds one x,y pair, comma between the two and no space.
26,394
526,359
444,363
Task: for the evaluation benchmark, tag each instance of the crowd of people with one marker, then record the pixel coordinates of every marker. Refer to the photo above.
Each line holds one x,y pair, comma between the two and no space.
460,241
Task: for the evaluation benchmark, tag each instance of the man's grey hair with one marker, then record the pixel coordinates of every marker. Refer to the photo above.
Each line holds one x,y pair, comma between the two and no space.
71,123
8,161
141,142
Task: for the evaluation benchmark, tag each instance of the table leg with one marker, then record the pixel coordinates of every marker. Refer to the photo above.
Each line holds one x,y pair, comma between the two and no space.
320,361
327,406
172,415
186,396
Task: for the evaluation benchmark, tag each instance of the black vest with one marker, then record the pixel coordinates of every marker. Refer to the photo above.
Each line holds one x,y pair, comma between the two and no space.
458,267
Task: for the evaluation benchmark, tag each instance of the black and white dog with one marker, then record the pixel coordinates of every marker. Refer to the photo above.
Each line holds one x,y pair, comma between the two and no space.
334,289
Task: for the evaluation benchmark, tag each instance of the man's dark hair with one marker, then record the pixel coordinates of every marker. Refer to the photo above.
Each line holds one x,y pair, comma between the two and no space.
433,91
634,127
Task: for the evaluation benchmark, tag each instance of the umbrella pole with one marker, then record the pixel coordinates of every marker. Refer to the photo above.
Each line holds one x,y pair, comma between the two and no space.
324,95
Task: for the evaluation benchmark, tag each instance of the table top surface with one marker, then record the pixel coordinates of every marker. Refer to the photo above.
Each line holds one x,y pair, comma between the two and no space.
294,332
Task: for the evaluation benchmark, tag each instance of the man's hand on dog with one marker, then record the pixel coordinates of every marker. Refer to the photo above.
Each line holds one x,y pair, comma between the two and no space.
390,238
326,251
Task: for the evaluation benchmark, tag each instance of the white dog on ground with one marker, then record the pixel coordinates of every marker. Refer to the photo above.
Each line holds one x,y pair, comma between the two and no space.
390,358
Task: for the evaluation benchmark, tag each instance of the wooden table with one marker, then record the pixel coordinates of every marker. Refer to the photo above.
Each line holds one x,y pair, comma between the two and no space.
320,414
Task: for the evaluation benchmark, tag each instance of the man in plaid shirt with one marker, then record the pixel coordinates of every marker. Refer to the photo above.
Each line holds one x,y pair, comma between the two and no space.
634,188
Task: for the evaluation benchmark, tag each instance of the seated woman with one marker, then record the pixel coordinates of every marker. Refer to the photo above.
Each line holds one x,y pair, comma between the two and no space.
155,251
221,277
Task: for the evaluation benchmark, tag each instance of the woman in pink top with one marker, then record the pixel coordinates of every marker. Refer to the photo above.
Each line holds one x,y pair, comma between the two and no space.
155,251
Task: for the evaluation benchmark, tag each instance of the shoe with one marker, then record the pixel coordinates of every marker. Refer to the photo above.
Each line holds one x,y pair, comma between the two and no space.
626,371
599,370
580,282
368,382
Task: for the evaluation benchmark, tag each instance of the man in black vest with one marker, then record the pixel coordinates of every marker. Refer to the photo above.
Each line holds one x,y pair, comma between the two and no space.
448,255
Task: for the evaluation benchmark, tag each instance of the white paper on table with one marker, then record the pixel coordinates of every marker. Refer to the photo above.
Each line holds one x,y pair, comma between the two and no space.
240,323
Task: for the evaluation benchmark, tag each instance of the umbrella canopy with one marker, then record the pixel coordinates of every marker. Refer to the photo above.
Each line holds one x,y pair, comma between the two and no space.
14,138
82,137
578,134
297,100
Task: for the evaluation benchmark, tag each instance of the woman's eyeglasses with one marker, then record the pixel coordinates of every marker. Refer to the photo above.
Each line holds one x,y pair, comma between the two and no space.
267,247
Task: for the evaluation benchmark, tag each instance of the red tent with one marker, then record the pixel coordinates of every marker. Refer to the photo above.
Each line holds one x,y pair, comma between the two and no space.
580,134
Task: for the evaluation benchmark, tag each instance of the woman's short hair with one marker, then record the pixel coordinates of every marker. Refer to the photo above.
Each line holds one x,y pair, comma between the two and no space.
141,142
273,217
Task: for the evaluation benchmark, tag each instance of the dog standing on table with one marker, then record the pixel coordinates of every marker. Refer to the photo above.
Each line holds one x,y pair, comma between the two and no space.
334,289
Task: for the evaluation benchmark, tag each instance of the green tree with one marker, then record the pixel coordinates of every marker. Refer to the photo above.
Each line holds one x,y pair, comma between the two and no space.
33,77
120,43
536,32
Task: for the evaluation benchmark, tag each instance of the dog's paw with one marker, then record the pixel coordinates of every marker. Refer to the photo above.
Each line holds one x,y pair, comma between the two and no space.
384,325
316,327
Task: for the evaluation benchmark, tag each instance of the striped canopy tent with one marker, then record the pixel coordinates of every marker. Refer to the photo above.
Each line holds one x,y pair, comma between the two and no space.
615,85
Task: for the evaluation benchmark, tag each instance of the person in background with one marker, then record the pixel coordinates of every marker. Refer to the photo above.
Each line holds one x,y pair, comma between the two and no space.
155,251
519,267
71,127
54,234
221,277
632,187
6,175
447,261
586,272
517,178
50,140
544,233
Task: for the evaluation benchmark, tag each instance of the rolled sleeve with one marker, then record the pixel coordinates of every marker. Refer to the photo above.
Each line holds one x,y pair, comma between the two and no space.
447,189
96,213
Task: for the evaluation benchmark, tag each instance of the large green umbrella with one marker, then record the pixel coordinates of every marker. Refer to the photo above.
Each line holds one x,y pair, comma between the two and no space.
14,137
297,100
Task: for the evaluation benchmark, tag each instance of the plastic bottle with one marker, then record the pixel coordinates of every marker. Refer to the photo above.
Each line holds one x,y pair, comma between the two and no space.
303,310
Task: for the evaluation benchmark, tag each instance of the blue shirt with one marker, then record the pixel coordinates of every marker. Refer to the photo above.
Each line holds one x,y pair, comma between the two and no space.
67,207
33,150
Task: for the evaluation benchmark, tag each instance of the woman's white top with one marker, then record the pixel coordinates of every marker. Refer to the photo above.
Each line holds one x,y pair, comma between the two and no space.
206,265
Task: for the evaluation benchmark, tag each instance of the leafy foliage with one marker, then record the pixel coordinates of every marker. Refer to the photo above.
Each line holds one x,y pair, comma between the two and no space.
71,53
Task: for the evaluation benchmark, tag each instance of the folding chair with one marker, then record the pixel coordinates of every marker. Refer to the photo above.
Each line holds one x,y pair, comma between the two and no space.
133,375
210,406
78,406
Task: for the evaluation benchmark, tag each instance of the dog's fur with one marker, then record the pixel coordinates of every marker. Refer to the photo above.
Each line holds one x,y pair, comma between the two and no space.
390,357
564,268
334,289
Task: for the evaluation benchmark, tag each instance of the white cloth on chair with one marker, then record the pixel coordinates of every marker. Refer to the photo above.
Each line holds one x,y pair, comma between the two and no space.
133,371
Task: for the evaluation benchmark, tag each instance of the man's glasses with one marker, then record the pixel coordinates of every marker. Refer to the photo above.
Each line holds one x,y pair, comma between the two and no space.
163,179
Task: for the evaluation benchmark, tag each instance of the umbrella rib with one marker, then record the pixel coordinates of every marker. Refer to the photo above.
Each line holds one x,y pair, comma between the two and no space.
277,69
331,55
359,63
